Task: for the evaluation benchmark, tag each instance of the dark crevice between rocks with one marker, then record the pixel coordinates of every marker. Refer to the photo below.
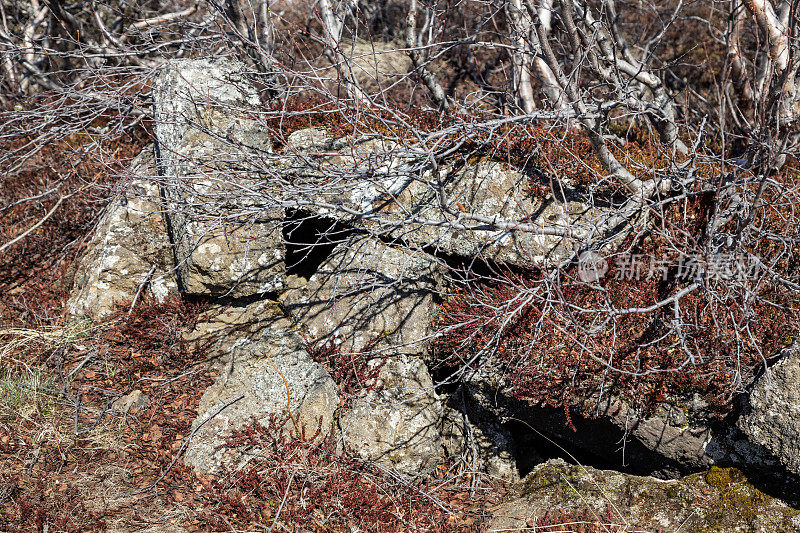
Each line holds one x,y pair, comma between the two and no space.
161,173
239,301
539,442
542,432
466,268
310,240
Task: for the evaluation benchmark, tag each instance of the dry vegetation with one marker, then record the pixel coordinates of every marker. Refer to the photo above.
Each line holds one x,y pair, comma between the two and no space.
547,357
69,462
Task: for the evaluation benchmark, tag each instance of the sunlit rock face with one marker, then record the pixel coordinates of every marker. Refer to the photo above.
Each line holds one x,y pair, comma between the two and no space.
772,417
270,377
396,421
129,251
557,495
368,295
206,143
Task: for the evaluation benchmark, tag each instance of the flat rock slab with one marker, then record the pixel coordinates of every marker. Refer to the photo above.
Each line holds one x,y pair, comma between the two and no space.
225,245
558,494
270,376
129,249
368,295
483,208
453,213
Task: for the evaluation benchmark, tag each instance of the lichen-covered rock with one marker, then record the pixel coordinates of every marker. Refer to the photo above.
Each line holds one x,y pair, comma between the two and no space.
129,249
314,140
772,418
668,433
223,327
225,243
556,493
396,423
271,375
230,259
493,193
476,210
201,114
368,294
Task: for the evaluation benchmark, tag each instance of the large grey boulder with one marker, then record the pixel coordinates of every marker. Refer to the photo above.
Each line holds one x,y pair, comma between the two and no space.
367,294
271,375
772,417
208,146
483,208
129,249
396,422
478,208
558,494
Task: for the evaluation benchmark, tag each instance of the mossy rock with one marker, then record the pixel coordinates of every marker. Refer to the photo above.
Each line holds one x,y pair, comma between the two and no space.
721,499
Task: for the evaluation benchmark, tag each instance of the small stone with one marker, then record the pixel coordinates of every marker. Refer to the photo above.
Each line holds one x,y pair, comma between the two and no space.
131,403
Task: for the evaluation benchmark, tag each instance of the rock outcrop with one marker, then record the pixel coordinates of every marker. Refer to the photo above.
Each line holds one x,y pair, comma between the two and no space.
772,416
475,211
265,379
368,295
483,209
204,140
396,422
557,493
129,251
371,294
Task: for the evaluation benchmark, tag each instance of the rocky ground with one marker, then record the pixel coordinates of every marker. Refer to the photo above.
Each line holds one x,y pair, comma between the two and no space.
208,375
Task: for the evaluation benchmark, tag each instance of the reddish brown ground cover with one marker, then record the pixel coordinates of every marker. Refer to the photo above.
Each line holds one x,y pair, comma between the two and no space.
68,462
545,356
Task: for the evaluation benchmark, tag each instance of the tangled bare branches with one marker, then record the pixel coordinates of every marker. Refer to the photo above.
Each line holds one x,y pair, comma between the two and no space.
674,126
